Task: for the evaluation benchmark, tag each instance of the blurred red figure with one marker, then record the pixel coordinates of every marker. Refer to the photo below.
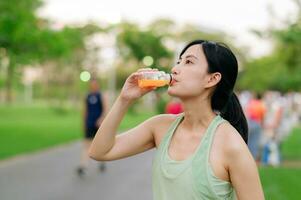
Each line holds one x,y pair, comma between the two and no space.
256,109
174,107
255,113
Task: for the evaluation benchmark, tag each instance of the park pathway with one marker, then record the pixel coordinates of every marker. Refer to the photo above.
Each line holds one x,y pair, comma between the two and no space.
50,175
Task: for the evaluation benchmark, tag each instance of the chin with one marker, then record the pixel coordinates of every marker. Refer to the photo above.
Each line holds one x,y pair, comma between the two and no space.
173,92
181,94
170,91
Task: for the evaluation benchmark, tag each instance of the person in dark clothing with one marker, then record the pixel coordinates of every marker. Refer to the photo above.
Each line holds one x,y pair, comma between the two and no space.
94,112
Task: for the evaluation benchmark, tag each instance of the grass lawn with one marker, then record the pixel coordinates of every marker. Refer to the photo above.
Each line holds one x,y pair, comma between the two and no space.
284,183
25,129
280,183
291,146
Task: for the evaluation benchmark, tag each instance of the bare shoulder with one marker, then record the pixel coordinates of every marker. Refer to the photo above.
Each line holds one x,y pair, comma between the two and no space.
163,118
159,125
158,122
231,141
239,163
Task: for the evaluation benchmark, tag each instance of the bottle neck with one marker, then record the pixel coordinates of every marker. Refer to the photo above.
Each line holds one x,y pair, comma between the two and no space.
170,78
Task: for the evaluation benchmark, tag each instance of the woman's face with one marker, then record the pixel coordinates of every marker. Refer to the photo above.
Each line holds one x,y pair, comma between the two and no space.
190,74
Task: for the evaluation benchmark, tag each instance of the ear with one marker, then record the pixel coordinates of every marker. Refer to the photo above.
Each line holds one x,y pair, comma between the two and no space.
213,79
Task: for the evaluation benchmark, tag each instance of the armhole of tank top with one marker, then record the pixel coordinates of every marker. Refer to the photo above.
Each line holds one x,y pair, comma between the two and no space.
208,164
211,140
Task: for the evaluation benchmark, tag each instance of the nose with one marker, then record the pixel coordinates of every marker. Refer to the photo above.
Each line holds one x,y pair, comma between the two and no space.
175,70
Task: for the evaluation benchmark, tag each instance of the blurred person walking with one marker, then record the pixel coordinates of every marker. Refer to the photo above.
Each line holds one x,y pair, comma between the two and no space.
95,107
255,111
273,126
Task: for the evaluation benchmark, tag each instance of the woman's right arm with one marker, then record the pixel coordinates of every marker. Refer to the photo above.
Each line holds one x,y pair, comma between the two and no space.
106,145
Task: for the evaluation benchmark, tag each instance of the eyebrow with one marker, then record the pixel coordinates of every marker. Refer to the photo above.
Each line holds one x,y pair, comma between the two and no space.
190,56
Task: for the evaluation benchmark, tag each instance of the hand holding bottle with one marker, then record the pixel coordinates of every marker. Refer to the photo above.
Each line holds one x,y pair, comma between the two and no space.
142,82
130,90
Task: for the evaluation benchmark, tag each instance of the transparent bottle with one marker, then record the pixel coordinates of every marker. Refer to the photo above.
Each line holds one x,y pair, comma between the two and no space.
154,79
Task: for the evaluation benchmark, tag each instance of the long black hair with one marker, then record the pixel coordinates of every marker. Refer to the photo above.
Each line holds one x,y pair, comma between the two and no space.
221,59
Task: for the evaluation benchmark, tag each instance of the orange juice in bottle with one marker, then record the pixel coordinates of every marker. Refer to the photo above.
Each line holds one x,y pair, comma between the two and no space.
154,79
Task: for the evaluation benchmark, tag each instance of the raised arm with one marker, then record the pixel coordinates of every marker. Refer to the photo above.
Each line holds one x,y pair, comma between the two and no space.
106,145
105,107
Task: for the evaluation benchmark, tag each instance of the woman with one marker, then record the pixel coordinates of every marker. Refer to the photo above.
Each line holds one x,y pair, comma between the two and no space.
201,153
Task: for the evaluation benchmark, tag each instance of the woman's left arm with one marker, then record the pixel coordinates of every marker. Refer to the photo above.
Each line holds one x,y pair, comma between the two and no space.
243,171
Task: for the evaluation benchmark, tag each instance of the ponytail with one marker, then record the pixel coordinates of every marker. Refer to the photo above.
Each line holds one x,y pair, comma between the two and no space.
234,114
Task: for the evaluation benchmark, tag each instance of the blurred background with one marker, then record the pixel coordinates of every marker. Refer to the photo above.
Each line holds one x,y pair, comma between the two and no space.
50,49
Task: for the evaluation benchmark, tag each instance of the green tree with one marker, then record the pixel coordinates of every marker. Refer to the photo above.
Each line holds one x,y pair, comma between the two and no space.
28,39
133,42
281,70
18,31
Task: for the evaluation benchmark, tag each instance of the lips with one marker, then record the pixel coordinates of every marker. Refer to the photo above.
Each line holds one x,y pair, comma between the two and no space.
173,81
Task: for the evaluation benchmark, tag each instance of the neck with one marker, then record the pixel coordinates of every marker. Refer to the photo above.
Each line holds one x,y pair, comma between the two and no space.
198,112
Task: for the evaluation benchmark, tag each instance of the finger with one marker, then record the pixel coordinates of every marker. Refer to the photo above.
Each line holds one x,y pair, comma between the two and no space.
135,75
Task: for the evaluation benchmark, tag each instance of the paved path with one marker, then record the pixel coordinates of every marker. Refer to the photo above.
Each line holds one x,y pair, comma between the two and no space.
50,175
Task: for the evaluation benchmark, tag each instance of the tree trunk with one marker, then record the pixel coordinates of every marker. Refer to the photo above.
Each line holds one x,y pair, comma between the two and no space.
9,82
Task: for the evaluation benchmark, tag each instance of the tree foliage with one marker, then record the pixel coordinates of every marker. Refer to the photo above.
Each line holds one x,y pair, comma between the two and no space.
281,70
28,39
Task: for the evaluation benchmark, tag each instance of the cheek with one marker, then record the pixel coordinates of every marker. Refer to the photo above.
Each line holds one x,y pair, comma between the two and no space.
192,87
192,84
195,82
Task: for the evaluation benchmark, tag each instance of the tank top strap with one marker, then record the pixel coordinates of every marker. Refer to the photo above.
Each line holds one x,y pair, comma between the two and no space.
211,132
170,131
200,165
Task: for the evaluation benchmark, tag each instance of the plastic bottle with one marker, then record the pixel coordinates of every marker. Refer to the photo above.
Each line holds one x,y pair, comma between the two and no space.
154,79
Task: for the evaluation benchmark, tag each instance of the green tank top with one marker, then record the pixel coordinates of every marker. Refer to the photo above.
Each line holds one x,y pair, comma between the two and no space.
190,179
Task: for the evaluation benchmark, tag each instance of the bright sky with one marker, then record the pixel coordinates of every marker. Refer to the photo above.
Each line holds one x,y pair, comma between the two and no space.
235,17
